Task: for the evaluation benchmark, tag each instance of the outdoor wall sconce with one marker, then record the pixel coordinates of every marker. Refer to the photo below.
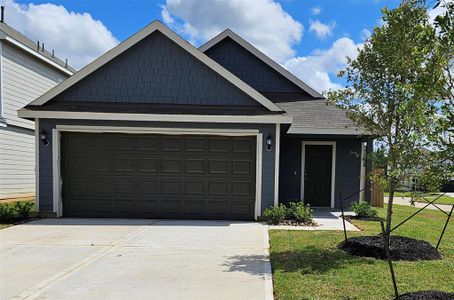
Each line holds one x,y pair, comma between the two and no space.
269,143
44,138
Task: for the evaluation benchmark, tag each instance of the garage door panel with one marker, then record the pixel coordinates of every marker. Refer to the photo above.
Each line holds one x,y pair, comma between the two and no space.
241,188
171,165
219,144
148,187
242,145
170,187
148,164
158,176
218,188
195,144
218,166
195,165
171,143
100,205
192,187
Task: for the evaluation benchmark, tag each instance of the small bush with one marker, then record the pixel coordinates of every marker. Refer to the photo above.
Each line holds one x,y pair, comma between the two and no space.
363,209
275,214
300,212
15,211
24,209
7,213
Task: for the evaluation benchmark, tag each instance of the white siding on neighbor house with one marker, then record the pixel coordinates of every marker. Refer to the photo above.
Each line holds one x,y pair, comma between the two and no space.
17,162
24,78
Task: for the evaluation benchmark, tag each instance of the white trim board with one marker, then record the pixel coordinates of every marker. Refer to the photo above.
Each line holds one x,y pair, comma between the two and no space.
337,131
333,166
56,152
267,119
137,37
260,55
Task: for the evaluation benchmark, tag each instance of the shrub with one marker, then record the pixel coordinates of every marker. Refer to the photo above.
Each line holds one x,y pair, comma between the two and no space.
300,211
275,214
7,213
24,209
17,211
363,209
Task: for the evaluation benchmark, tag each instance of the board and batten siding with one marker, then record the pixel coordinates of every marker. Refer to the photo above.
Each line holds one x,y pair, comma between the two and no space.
23,79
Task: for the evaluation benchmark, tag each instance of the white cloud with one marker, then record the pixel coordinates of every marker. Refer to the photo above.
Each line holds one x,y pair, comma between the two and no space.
316,10
316,69
263,22
365,34
76,36
320,29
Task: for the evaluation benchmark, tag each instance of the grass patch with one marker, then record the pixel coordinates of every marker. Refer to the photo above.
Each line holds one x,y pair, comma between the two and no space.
3,226
308,265
429,196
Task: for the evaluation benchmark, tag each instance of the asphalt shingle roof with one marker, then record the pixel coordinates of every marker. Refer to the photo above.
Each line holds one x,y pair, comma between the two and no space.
317,114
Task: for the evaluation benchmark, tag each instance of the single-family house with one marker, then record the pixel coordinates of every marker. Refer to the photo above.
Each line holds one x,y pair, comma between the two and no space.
157,128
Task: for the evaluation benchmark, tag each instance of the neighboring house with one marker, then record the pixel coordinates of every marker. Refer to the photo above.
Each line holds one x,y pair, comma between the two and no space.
26,72
157,128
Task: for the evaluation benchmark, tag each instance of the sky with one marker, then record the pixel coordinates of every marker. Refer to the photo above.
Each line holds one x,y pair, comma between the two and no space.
311,38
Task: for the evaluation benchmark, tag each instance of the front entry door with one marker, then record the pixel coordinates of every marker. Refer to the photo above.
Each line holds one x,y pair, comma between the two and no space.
317,175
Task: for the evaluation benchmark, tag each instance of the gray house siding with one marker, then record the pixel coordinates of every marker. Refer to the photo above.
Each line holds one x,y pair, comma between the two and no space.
348,163
250,69
157,71
45,153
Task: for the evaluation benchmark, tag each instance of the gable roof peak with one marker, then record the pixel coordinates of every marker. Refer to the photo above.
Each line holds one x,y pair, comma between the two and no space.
228,33
154,26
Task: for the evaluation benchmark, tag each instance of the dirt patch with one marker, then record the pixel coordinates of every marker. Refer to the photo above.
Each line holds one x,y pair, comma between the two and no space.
401,248
426,295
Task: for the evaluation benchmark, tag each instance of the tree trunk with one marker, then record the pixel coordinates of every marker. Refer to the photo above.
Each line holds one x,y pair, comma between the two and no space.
389,209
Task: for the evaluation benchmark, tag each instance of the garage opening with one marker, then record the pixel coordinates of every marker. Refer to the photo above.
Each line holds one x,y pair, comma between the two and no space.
122,175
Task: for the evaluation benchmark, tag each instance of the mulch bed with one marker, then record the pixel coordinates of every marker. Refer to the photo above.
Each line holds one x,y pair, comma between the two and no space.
401,248
426,295
291,222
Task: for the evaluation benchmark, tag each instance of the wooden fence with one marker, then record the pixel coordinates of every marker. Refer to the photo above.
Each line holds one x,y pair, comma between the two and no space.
377,192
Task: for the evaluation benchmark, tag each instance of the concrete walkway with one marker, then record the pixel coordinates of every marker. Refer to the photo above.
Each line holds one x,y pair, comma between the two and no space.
327,219
406,201
135,259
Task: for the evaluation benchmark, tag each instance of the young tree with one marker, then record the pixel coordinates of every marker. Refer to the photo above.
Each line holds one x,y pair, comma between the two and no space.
391,87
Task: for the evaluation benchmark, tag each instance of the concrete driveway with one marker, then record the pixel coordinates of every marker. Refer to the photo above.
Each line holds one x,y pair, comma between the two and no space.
134,259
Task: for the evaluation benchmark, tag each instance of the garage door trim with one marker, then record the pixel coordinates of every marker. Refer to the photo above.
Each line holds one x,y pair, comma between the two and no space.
56,151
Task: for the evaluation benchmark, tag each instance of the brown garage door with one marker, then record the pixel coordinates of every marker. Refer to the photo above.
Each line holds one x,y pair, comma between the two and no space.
158,176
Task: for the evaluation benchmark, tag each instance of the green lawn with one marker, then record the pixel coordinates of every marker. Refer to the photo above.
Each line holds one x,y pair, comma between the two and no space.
442,200
307,265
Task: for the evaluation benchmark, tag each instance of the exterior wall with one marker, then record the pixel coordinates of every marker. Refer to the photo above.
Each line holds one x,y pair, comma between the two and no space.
348,165
23,78
156,70
250,69
45,153
17,162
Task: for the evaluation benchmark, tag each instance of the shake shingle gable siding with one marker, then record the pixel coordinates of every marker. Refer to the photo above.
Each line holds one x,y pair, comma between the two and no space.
251,69
156,71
